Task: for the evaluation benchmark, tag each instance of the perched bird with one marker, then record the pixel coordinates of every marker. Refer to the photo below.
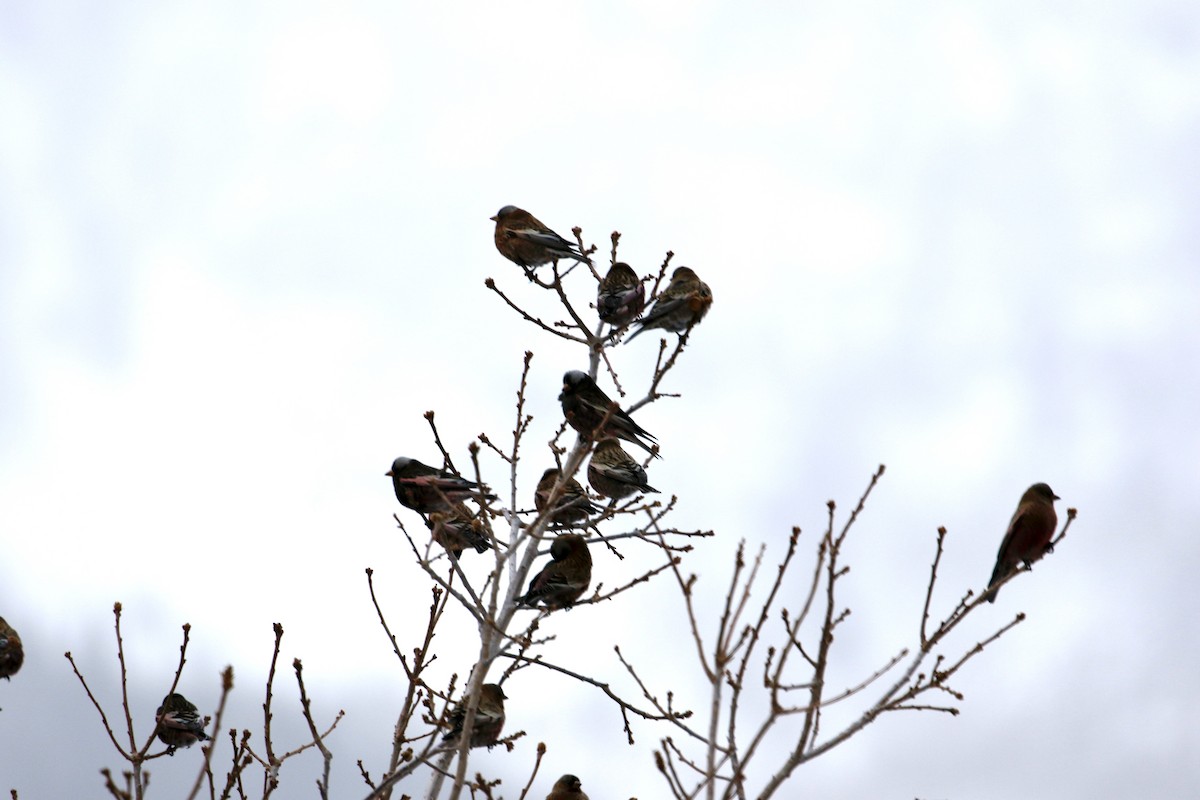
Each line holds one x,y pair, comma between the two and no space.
179,725
458,529
1029,533
489,717
565,578
426,489
621,296
585,404
681,305
572,504
613,473
12,655
524,240
567,787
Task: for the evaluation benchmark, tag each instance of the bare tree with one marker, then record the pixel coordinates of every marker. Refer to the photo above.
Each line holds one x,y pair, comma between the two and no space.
768,663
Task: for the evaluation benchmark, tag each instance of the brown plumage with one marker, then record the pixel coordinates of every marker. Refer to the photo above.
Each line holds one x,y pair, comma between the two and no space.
565,578
489,717
567,787
613,473
681,305
179,724
12,653
585,404
426,489
572,504
459,528
1028,537
523,239
621,296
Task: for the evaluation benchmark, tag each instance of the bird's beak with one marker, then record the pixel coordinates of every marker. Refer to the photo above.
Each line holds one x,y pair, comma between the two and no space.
493,219
1056,497
388,473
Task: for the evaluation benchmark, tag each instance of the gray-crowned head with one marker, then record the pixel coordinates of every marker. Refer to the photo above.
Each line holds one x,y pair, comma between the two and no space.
398,466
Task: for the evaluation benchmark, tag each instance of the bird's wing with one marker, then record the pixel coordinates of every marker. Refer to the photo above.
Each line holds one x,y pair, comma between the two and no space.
621,473
546,238
551,580
560,581
663,307
485,715
444,482
182,720
1017,526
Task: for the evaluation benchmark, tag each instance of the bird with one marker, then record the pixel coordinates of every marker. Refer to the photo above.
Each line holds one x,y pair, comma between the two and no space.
568,787
613,473
585,405
179,725
562,581
681,305
426,489
458,529
12,654
621,296
526,241
572,504
489,717
1028,537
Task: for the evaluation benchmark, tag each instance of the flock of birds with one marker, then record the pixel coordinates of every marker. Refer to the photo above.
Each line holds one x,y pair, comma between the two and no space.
439,495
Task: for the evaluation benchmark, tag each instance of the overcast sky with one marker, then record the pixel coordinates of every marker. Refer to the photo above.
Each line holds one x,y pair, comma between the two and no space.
243,247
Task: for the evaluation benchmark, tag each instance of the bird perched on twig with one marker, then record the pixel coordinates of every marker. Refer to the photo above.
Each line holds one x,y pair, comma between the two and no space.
681,305
1029,533
12,654
179,724
524,240
426,489
621,296
613,473
458,529
585,405
489,717
565,578
572,504
568,787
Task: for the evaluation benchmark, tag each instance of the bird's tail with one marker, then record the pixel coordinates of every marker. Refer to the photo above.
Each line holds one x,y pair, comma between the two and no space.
651,449
634,335
998,574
